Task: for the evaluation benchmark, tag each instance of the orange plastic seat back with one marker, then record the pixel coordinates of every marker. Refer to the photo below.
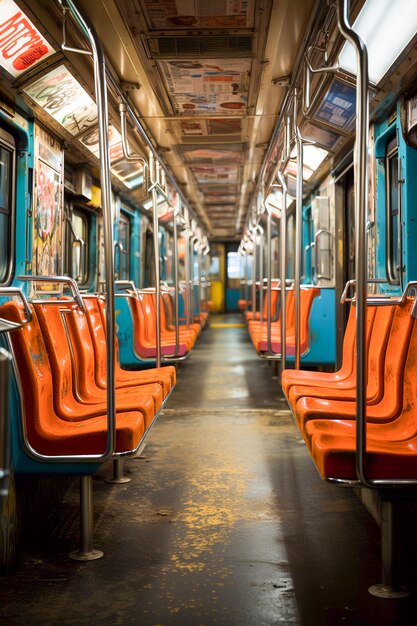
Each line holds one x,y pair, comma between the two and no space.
35,376
52,325
98,337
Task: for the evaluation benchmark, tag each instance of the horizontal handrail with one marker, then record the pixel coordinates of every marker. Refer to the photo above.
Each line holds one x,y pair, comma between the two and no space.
64,280
125,284
381,299
6,325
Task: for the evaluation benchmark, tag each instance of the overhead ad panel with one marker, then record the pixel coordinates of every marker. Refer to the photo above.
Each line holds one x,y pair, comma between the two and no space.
22,46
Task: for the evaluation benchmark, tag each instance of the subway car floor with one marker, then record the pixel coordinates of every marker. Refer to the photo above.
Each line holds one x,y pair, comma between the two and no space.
225,521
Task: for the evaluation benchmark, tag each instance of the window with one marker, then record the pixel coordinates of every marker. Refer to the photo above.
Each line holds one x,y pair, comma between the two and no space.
393,230
76,238
123,248
7,155
235,265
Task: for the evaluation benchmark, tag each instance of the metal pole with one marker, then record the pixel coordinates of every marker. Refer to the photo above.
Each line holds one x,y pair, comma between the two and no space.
261,271
254,276
268,276
283,270
5,360
105,183
154,176
361,212
201,248
191,286
187,278
86,552
176,289
298,232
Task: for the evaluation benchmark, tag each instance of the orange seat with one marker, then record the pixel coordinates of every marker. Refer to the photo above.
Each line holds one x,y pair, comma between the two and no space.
294,377
306,301
389,407
194,328
144,339
249,315
377,338
96,319
186,335
391,444
76,397
47,433
258,329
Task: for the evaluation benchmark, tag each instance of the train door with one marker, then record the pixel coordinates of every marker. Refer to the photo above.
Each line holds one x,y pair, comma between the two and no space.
217,277
235,272
345,246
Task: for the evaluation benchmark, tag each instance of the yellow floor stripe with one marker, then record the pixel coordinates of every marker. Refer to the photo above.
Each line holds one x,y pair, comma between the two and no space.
216,325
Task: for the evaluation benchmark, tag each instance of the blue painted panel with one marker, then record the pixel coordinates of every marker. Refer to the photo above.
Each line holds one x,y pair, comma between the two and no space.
322,339
232,297
124,328
408,159
20,461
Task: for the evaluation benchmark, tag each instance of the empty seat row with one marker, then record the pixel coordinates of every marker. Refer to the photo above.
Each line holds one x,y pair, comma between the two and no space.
137,309
60,360
324,405
258,328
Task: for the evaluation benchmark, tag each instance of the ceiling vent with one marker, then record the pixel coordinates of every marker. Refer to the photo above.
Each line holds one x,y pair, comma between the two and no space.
201,46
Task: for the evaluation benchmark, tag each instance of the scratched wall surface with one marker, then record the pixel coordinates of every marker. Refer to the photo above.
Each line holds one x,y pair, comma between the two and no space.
225,521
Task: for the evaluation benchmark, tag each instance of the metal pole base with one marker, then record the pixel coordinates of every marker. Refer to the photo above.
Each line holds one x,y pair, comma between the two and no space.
86,552
389,588
118,478
380,591
76,555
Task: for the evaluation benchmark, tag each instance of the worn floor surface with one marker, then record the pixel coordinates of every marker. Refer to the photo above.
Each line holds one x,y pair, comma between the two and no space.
225,522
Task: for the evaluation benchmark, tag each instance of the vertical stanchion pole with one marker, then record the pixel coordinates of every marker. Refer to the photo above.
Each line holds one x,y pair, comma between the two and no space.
283,271
176,288
298,232
5,359
154,175
268,276
254,270
261,271
187,278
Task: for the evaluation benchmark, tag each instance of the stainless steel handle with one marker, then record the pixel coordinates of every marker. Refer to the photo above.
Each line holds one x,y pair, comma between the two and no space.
65,280
6,325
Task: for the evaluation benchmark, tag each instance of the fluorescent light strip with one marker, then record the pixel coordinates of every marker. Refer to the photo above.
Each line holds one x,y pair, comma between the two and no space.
386,26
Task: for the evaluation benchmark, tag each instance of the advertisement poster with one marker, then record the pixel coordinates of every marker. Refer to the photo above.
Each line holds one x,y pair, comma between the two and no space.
62,96
339,106
163,14
325,138
207,86
21,45
48,206
207,175
207,154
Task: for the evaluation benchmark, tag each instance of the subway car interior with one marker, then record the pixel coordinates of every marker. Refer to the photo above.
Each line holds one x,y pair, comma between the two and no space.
208,212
